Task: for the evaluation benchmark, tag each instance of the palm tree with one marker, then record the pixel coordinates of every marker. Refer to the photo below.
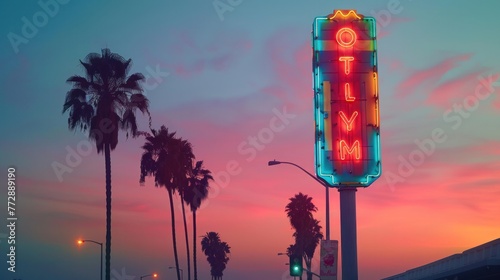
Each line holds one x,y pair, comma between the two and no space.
290,250
299,210
307,229
184,158
163,158
310,239
101,103
194,195
216,252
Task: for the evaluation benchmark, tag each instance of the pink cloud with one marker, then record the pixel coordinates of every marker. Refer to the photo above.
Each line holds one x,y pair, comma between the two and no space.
444,94
217,52
289,67
487,148
496,104
428,77
460,88
395,65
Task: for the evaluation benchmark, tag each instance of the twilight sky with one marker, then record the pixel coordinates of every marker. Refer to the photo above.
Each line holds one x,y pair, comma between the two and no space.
222,73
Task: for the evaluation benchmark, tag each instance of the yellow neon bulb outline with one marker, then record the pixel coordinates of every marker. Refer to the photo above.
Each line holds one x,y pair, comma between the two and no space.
341,13
375,83
327,108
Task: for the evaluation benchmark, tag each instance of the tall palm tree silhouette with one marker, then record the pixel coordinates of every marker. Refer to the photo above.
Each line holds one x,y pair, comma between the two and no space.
307,229
216,252
164,157
184,172
101,103
196,192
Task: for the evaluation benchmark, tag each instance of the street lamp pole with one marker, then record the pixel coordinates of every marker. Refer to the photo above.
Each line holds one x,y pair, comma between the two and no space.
80,242
182,272
327,191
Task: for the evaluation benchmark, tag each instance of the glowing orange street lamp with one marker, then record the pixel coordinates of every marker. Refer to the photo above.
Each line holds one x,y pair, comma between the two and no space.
80,243
155,275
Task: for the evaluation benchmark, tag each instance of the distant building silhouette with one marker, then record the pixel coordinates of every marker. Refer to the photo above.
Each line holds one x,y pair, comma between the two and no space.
478,263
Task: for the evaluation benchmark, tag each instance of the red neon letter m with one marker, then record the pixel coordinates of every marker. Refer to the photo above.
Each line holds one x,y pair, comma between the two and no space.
355,149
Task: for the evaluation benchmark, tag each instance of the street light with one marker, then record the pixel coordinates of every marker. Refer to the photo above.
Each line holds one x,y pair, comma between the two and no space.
80,242
182,273
154,275
327,191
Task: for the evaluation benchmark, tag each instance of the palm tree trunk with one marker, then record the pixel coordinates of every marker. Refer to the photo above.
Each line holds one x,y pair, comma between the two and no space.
309,274
107,159
194,247
173,232
187,238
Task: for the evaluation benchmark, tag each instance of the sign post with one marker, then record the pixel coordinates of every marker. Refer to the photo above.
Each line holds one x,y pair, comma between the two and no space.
346,113
328,259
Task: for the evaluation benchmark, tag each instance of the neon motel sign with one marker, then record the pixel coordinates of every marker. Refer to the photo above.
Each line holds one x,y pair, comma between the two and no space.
346,100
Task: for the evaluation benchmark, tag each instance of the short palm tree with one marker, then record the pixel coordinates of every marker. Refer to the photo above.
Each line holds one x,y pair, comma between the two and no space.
290,250
307,229
300,210
101,103
162,158
309,238
216,252
195,193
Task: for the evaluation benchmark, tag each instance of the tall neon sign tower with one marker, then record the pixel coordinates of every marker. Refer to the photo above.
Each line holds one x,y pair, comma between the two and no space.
346,103
346,114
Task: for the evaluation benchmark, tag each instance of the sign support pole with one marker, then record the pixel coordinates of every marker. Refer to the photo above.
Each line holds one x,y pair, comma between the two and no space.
327,206
348,238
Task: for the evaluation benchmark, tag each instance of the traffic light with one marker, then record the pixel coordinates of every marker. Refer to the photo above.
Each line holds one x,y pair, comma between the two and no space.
295,265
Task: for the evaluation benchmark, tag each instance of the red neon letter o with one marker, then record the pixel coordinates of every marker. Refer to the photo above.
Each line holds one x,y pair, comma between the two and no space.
340,38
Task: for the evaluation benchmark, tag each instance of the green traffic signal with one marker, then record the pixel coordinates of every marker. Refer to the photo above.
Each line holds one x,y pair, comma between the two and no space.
295,265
